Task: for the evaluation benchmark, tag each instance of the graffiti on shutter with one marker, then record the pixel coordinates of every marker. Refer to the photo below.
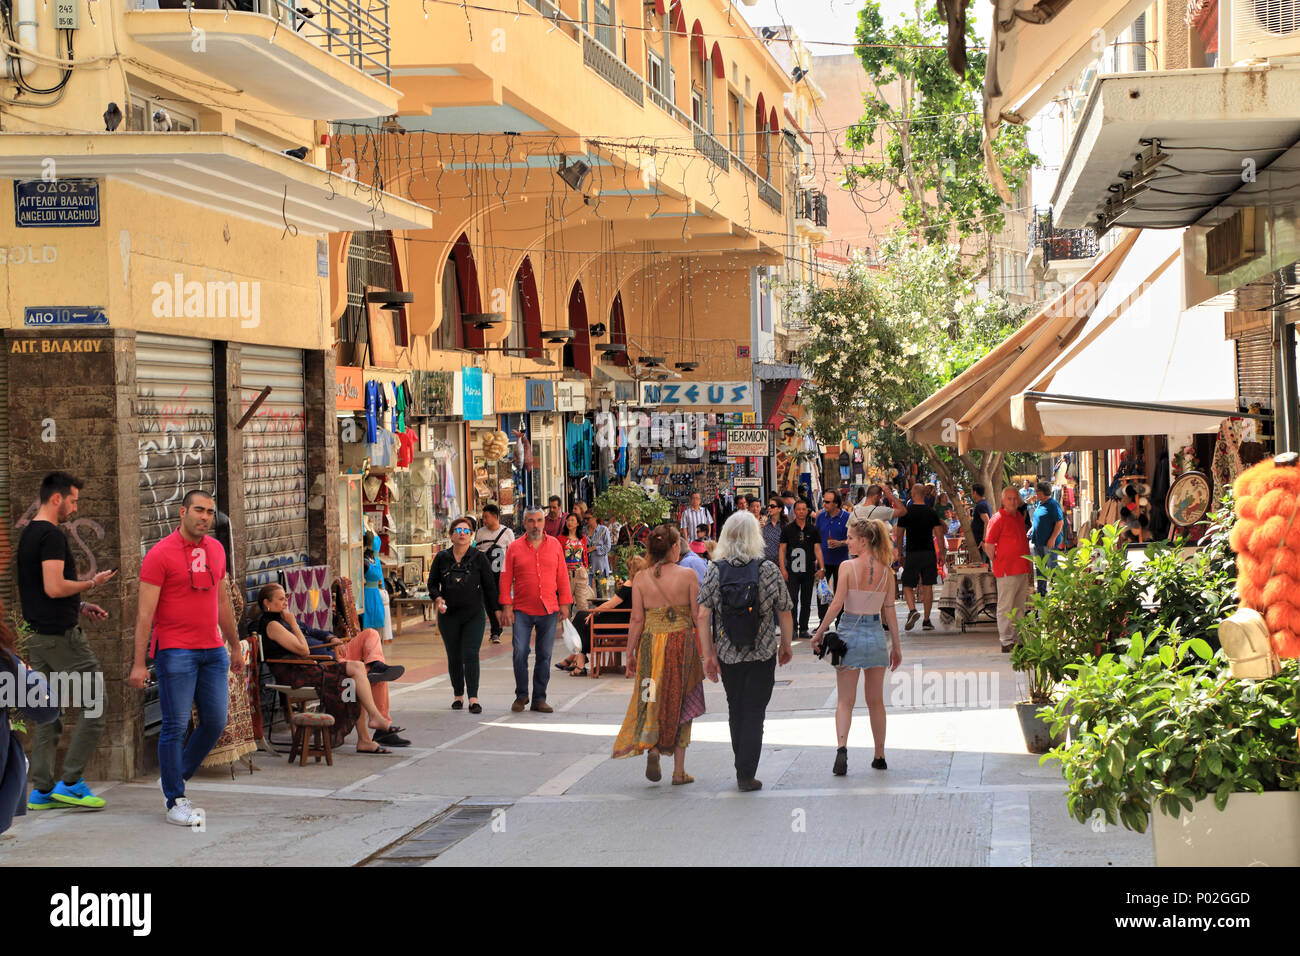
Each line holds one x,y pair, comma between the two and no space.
275,463
177,430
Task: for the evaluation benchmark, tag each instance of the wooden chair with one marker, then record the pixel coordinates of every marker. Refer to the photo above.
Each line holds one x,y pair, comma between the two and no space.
608,640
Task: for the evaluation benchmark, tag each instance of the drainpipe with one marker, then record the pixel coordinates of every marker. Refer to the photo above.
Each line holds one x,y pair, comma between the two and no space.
1286,427
25,31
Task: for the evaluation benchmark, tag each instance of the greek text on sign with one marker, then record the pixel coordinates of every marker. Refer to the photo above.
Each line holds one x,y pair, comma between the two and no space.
45,315
748,442
655,394
59,202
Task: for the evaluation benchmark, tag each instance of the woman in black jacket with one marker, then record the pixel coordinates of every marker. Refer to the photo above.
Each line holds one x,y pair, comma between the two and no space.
464,589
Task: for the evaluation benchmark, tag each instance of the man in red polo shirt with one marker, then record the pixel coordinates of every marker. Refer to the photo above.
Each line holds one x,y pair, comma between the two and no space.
1007,544
185,605
534,587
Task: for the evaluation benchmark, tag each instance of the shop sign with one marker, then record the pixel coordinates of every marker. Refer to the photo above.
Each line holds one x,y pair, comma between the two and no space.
540,395
47,203
43,316
749,442
571,397
349,389
510,394
682,394
471,381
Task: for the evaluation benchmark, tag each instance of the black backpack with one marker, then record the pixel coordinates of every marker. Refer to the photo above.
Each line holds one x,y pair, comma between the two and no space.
738,610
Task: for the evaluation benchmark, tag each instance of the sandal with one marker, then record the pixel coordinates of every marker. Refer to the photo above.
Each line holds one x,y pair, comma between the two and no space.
381,751
684,778
581,673
564,667
652,772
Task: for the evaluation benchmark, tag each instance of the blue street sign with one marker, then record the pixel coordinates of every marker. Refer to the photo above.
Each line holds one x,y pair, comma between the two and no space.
40,316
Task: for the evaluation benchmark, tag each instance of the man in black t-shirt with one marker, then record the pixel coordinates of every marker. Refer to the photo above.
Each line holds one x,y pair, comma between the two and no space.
800,560
979,520
919,557
49,590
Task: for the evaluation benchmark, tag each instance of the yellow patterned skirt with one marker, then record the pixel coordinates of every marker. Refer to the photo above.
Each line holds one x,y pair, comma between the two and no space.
669,688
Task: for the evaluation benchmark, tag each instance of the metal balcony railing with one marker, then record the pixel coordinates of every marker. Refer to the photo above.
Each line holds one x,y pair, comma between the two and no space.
710,148
810,204
349,29
617,73
769,194
1059,244
552,12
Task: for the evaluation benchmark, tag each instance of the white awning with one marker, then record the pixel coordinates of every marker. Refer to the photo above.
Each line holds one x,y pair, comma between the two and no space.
1140,347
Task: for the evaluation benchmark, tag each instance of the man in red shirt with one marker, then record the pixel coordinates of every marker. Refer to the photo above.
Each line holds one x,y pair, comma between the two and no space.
1007,544
185,605
554,525
534,586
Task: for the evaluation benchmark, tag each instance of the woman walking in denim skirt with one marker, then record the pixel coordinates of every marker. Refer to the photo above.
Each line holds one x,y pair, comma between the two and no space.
865,592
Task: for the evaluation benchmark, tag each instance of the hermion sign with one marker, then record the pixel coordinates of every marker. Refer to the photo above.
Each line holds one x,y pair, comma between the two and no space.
748,443
656,394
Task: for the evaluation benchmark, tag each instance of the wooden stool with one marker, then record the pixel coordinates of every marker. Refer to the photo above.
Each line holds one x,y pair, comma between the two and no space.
311,737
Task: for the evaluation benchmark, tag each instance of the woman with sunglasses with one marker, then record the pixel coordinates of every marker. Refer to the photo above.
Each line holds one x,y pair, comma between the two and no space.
464,590
772,524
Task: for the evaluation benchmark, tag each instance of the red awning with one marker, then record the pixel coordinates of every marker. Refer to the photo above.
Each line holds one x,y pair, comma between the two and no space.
784,402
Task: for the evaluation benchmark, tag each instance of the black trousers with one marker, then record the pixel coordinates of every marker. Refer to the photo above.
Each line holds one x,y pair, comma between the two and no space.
833,579
494,626
801,588
749,688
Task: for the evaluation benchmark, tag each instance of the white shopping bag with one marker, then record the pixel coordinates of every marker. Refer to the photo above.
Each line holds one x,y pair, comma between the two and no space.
571,639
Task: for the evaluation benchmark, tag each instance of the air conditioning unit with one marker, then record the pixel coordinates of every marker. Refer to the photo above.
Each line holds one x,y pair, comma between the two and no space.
1257,30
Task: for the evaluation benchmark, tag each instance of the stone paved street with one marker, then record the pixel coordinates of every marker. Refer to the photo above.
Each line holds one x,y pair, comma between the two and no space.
541,789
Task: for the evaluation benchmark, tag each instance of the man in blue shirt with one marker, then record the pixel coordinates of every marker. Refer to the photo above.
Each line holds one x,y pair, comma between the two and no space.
1048,522
833,527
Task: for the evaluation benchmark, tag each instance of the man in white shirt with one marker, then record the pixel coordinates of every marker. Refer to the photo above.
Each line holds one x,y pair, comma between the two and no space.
870,506
694,515
493,538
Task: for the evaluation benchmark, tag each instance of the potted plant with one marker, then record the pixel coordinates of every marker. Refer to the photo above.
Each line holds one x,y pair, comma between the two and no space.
1163,735
1038,656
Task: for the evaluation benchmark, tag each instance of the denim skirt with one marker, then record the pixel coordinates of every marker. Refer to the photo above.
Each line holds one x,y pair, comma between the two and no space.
868,646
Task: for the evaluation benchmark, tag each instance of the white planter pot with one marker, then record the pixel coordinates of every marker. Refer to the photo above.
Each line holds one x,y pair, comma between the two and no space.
1255,829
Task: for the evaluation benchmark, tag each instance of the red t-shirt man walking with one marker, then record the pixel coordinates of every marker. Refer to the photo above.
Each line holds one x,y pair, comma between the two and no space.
1007,545
534,593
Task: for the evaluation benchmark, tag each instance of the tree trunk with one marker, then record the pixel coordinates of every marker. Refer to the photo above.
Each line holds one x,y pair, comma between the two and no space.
950,486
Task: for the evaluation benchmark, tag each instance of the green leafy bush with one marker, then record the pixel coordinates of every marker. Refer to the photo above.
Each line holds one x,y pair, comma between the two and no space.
1162,726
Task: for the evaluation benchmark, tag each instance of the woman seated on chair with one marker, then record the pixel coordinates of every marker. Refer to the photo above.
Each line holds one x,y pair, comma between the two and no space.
617,610
283,638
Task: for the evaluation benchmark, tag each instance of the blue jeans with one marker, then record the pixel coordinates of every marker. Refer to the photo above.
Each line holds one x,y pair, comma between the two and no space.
523,629
189,678
1052,555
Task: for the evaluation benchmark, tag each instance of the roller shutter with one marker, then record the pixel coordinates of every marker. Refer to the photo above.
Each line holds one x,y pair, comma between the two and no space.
177,429
275,462
1255,367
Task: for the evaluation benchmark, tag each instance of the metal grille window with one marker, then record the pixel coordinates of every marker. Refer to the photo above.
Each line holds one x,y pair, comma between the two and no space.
177,430
1255,367
370,265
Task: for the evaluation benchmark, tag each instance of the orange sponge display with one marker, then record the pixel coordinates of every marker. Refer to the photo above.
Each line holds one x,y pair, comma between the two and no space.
1266,538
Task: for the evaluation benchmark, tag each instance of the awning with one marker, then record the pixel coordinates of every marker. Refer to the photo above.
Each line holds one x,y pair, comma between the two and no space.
1139,347
217,171
1039,48
973,410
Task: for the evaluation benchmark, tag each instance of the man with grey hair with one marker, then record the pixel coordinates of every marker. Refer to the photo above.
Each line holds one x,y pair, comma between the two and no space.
745,659
534,592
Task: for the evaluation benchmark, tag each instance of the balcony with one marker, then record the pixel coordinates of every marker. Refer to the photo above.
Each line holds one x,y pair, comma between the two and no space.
769,194
810,208
710,148
331,62
615,72
1059,245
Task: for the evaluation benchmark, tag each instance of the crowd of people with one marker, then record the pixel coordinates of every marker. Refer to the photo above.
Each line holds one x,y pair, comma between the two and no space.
699,602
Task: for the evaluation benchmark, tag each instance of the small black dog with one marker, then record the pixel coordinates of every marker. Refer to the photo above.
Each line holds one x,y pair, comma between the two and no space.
831,641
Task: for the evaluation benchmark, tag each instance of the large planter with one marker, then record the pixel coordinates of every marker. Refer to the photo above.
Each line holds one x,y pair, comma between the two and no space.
1254,829
1037,732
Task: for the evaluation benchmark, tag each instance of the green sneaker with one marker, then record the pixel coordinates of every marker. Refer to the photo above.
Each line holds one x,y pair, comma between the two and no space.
43,801
77,795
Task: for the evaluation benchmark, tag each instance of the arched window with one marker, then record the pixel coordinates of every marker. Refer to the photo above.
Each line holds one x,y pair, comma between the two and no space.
762,163
577,353
450,334
371,265
618,330
526,321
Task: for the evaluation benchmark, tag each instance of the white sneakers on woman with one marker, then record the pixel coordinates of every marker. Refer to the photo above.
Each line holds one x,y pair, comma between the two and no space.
185,814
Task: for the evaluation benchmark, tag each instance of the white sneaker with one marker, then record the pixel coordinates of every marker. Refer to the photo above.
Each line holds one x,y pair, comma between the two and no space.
185,814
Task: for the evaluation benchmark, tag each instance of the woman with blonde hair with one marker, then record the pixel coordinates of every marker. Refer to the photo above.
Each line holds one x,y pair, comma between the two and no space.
664,657
865,592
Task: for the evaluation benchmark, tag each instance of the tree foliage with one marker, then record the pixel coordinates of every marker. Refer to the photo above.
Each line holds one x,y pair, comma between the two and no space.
926,124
